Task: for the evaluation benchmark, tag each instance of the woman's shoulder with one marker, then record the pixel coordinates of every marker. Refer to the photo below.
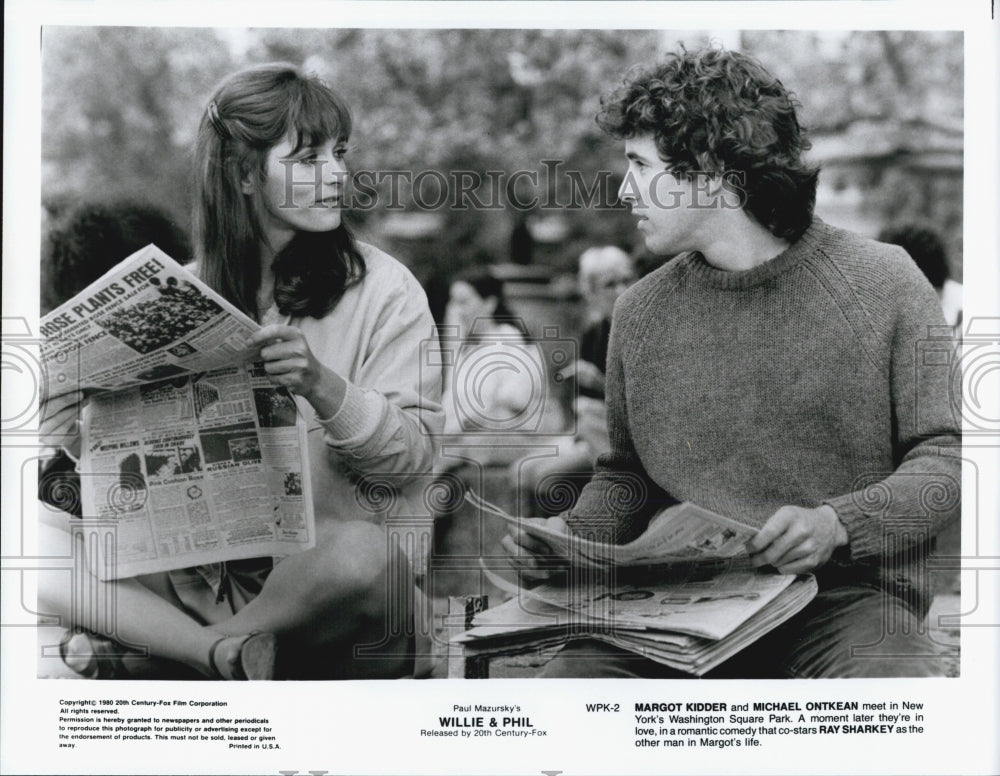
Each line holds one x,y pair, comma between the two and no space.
387,279
382,267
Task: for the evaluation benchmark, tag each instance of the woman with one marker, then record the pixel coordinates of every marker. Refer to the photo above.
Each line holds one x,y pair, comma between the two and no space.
498,381
342,327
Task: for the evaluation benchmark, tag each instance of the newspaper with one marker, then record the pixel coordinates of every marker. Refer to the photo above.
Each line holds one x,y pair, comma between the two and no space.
188,450
146,319
710,607
683,593
683,533
670,634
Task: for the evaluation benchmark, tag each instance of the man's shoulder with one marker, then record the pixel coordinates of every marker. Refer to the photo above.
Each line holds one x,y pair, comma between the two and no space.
659,282
862,262
871,281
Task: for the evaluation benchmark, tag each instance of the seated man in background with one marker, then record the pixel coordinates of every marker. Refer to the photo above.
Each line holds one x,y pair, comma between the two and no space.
605,272
769,372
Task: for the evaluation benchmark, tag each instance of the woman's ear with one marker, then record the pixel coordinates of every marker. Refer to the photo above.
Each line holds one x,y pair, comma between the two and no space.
248,185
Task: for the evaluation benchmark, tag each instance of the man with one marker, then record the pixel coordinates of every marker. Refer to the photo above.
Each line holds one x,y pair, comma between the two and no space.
768,372
605,272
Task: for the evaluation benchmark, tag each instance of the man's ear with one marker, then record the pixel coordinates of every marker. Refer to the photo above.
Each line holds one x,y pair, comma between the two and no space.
715,186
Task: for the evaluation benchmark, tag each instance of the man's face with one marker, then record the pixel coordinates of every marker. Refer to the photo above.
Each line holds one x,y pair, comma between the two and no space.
667,205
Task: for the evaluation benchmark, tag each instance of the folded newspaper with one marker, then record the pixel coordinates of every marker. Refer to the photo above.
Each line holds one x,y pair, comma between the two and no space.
682,594
189,454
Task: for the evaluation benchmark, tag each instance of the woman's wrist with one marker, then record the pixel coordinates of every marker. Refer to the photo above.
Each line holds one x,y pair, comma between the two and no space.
328,395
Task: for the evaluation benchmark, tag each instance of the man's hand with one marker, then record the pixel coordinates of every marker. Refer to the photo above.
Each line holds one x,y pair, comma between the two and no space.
533,558
796,540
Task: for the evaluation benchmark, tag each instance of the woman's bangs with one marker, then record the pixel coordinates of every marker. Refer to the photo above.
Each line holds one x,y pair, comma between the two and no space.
319,116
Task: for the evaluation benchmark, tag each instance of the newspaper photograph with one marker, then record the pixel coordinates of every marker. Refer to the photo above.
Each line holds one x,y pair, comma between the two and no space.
145,320
197,469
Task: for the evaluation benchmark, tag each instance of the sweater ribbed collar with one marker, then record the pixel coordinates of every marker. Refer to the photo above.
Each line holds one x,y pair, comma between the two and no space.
762,273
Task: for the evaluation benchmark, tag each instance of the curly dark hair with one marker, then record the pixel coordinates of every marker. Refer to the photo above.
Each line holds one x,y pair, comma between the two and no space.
720,111
92,237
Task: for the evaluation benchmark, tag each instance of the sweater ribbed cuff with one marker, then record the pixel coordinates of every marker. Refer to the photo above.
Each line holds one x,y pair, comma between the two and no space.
864,532
356,421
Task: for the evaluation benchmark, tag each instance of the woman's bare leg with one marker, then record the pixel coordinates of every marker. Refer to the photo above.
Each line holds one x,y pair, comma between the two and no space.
351,590
140,618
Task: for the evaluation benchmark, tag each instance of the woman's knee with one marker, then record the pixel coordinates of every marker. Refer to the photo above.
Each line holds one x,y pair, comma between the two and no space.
359,561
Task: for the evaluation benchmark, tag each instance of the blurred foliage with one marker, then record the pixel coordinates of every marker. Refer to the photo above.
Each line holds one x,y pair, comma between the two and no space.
121,107
842,77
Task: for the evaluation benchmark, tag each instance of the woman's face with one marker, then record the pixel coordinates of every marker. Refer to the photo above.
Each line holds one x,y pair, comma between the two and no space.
302,192
465,305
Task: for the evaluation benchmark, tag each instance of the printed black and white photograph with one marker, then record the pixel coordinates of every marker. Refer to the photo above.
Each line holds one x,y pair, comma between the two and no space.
150,324
275,407
292,484
679,319
206,395
163,463
172,461
744,237
226,444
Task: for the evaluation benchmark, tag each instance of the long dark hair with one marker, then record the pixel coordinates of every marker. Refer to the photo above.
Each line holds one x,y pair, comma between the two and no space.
252,111
486,284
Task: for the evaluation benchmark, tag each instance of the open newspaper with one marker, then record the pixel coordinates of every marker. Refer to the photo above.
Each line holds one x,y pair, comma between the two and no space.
683,593
683,533
188,451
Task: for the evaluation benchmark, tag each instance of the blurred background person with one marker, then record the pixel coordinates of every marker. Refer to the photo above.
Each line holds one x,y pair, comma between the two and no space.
605,272
927,249
94,236
495,379
90,239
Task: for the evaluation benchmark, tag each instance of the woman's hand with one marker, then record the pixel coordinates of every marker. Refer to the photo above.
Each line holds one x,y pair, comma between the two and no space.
289,362
533,558
60,422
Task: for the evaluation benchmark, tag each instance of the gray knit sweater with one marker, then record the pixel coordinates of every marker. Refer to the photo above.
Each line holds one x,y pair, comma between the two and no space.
801,381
